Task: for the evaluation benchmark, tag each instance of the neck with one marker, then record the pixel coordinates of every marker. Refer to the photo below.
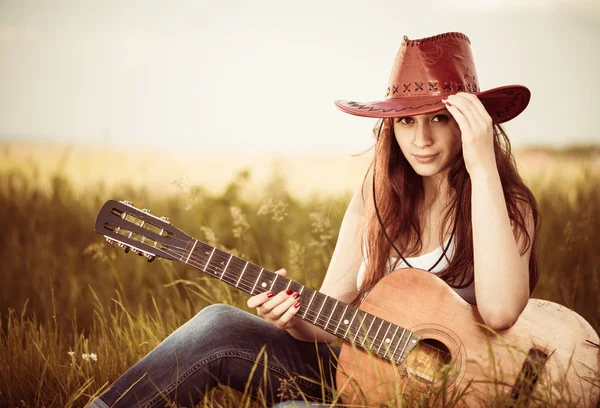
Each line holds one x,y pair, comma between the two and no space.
436,190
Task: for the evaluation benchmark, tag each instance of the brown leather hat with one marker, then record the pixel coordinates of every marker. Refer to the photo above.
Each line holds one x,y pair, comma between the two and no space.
427,69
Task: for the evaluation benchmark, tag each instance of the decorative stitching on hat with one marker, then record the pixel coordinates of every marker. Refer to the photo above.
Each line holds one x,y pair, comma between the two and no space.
383,110
433,86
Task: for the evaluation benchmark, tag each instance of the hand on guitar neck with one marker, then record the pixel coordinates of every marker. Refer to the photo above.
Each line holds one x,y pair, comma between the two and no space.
280,308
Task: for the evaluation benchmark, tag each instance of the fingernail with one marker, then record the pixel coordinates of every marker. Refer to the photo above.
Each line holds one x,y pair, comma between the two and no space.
296,295
270,294
297,305
288,292
447,103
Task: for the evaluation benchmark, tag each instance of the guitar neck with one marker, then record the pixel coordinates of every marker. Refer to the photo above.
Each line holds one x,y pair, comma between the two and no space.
345,321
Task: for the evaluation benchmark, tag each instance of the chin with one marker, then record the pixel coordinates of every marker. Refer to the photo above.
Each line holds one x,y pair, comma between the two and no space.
426,170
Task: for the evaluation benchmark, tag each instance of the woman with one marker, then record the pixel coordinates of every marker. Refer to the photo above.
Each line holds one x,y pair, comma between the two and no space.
442,194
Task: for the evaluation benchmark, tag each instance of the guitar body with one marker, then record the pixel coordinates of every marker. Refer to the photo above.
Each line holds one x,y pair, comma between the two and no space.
545,354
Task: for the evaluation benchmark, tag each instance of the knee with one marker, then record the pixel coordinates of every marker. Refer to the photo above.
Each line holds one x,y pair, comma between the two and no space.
216,317
218,310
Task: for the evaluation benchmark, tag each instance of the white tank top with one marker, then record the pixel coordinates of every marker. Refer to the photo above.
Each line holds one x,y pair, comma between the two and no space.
424,262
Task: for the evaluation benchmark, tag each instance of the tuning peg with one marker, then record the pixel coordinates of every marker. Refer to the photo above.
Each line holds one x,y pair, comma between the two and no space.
135,251
166,219
110,241
151,258
146,210
127,203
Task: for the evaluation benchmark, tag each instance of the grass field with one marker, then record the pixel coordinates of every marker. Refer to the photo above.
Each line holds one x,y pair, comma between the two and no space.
64,290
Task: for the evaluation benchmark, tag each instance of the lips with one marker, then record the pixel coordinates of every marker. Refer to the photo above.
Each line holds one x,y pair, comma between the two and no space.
425,158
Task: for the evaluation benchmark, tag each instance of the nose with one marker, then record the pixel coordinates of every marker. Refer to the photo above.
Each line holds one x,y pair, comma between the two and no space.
422,137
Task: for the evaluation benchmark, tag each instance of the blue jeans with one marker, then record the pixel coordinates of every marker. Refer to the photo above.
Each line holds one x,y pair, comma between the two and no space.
222,344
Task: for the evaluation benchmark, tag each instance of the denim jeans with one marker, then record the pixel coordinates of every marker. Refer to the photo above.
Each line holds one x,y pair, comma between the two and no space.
222,344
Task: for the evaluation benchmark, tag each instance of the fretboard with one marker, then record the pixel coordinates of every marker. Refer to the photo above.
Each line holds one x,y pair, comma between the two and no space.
345,321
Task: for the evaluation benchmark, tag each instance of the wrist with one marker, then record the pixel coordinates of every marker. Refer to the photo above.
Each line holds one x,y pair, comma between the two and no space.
484,174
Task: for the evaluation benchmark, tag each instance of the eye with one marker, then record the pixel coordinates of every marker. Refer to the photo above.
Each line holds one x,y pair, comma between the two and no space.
405,120
440,118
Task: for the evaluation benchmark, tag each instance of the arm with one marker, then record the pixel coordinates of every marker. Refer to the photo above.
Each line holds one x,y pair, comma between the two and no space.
501,272
339,281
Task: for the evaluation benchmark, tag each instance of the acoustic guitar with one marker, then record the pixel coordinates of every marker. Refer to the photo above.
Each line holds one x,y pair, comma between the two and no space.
422,340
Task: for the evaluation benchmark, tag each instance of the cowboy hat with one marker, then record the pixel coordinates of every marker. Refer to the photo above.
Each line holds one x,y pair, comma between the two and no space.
429,69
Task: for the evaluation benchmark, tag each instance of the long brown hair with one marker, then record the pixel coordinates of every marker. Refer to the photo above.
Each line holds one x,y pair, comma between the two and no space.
400,190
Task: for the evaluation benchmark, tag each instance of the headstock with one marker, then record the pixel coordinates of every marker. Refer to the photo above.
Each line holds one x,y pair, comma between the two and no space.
145,234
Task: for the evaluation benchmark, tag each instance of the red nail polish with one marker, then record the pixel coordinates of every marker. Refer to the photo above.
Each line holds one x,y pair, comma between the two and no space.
297,305
296,295
288,292
270,295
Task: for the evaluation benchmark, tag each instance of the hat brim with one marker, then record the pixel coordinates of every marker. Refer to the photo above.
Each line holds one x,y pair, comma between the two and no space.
502,103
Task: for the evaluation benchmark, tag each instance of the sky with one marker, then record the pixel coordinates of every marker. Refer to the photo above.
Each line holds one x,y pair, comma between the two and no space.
262,76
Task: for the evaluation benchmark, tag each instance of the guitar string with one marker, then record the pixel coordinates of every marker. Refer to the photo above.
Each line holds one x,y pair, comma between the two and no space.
375,342
309,313
350,332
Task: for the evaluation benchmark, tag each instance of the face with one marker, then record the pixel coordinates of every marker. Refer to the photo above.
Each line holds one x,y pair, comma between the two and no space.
430,142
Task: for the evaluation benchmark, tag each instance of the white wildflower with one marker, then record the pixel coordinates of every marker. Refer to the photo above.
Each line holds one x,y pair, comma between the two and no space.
90,356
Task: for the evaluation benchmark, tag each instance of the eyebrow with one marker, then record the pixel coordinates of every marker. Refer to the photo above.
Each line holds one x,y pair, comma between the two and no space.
433,114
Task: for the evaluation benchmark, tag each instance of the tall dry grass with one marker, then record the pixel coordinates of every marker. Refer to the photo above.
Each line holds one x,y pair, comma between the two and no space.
75,313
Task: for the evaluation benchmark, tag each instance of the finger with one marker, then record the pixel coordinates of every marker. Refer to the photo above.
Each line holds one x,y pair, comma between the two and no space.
478,105
267,309
459,117
287,319
281,308
465,103
259,299
464,106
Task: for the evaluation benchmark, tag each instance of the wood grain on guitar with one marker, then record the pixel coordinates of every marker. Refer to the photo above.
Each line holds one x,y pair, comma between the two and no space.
422,340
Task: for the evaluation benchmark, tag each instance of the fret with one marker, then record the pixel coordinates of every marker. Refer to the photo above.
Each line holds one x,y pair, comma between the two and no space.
368,330
224,269
350,325
288,285
384,339
399,341
360,327
191,251
257,279
339,321
331,314
209,258
301,289
281,284
390,344
321,308
375,338
241,274
273,282
309,303
403,348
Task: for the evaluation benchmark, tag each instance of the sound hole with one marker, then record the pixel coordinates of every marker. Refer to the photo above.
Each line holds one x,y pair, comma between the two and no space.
430,361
